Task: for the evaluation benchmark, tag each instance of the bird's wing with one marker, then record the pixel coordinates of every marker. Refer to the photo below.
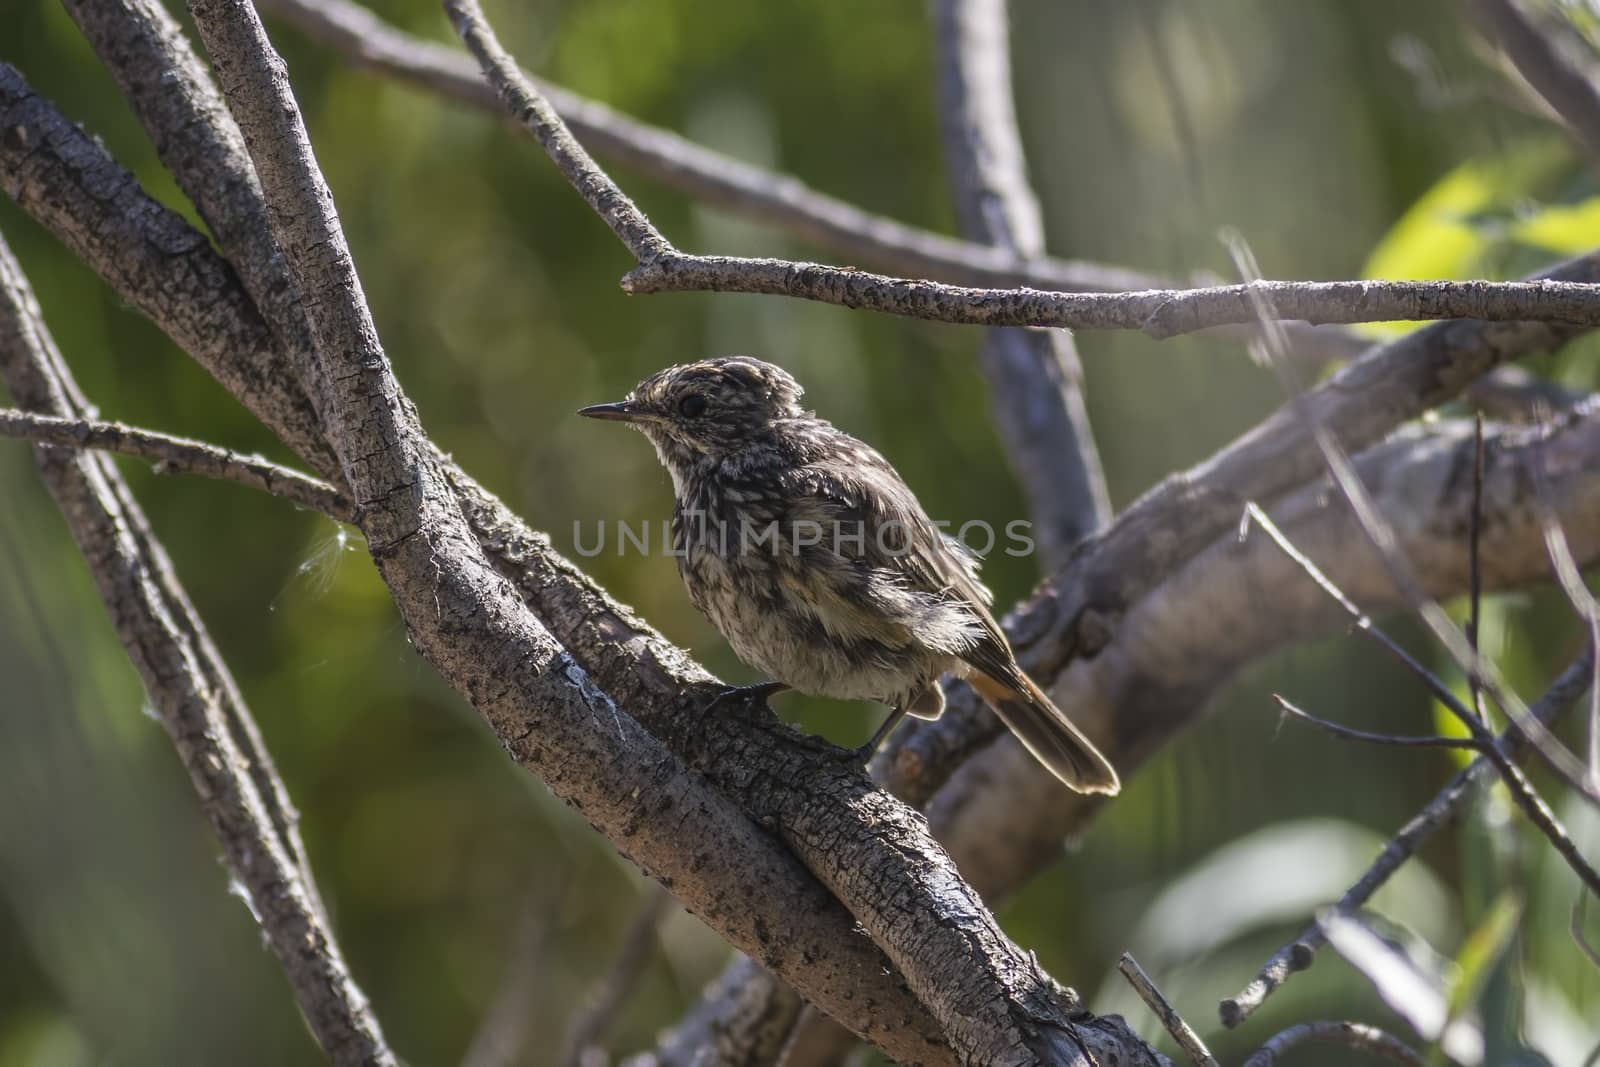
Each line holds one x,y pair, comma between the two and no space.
920,558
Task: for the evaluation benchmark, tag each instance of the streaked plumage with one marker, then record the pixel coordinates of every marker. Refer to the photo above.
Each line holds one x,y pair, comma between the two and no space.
806,549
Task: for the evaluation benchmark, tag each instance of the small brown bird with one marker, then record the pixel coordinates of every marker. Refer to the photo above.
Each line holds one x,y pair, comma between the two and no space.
805,548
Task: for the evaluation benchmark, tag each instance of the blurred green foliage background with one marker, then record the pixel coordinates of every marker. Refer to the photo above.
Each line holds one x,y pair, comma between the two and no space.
1314,127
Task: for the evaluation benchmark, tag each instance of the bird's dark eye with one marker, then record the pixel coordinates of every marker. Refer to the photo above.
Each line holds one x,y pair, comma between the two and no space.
692,406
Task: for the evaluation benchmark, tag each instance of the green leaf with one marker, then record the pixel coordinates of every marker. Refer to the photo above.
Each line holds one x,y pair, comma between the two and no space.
1491,218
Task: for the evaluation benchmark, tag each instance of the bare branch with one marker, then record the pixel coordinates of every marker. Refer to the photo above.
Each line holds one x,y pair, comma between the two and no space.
153,258
363,37
528,106
1380,534
781,199
189,685
177,103
1538,58
1035,379
470,623
1399,740
1161,313
1357,1036
179,454
1181,1031
1446,805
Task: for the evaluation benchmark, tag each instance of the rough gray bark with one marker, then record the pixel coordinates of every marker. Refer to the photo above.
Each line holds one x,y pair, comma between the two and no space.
189,685
1160,313
741,1023
158,262
991,1000
1035,378
171,92
793,914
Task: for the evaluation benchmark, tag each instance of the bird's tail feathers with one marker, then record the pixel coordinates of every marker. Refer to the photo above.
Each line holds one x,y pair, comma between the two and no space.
1047,733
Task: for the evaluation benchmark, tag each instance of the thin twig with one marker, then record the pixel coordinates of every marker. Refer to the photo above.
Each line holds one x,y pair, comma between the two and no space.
1571,94
179,454
1357,1036
1579,909
1181,1031
1399,740
1517,784
1298,954
1474,564
599,1012
528,105
1360,621
1381,536
1570,577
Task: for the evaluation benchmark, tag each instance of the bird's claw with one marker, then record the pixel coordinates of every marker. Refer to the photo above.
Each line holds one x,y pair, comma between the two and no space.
751,696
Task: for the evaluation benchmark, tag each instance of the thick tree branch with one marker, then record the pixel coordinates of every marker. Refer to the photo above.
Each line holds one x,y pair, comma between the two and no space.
179,454
190,686
1035,379
159,263
991,1000
800,924
472,626
171,92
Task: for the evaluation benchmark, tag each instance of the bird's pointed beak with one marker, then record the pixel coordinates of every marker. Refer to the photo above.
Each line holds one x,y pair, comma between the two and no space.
622,411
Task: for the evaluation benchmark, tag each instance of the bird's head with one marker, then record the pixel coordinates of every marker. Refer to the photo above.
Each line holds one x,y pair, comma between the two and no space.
710,408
